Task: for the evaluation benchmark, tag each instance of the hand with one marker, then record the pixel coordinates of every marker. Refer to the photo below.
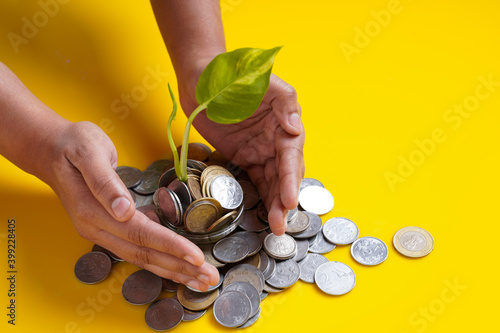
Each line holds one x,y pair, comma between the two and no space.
268,145
103,212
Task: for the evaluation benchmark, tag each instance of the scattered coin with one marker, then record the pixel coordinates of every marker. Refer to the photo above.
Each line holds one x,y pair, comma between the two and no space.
161,165
262,212
142,287
210,288
263,295
302,248
272,290
209,257
130,176
314,227
280,247
270,268
143,200
249,290
250,221
253,240
306,182
316,199
369,251
247,273
92,267
335,278
252,320
196,301
232,309
309,265
298,223
231,249
169,285
413,242
319,244
164,314
149,182
192,315
341,231
286,274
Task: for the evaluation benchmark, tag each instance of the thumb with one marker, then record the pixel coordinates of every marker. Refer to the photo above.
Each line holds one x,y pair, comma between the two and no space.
285,105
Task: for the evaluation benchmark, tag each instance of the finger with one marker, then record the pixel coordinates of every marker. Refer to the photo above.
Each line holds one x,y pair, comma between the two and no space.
166,264
96,161
285,105
290,165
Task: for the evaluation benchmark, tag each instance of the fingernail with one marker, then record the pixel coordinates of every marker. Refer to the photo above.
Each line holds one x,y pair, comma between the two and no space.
190,260
120,207
294,121
203,278
194,284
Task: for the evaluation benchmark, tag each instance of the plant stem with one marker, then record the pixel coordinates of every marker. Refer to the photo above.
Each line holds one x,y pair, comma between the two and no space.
185,142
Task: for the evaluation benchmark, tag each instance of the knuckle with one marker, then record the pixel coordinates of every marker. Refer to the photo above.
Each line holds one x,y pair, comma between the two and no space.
142,257
139,235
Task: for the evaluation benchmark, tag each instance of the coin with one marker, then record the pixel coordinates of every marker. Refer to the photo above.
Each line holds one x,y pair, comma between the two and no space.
262,212
247,273
92,267
198,151
232,309
192,315
341,231
299,223
227,191
161,165
286,274
369,251
142,287
250,222
253,240
316,199
263,295
309,182
143,200
270,268
335,278
280,247
182,192
169,285
251,196
302,248
314,227
292,213
194,188
251,320
167,177
134,196
209,257
249,290
231,249
319,244
272,290
309,265
153,216
168,206
149,182
131,177
99,248
164,314
223,221
210,288
196,301
413,242
264,261
200,215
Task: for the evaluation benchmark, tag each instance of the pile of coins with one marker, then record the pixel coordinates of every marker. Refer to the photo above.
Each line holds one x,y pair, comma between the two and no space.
252,262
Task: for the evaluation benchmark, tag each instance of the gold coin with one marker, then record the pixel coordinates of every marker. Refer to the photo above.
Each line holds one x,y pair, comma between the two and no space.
200,215
209,256
213,171
194,188
196,301
223,221
413,242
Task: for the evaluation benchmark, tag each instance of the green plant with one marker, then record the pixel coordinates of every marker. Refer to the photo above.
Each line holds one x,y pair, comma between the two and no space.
230,88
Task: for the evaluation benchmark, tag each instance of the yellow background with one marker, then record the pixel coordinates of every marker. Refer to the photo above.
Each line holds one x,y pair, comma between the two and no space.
363,113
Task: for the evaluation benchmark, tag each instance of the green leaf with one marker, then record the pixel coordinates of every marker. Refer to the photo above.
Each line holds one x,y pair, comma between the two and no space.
169,134
233,85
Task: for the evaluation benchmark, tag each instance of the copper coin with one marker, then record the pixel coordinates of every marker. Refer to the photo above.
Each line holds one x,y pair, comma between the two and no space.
167,177
142,287
194,188
251,222
217,158
168,206
182,192
131,177
169,285
153,216
164,314
197,151
251,196
92,267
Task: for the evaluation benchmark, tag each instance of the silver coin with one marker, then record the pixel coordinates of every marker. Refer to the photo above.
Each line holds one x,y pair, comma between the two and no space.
319,244
251,222
247,273
369,251
264,261
299,223
207,250
227,191
292,213
280,247
167,177
248,290
306,182
164,314
192,315
160,165
210,288
314,227
231,249
232,309
309,265
286,274
182,192
251,320
263,295
315,199
272,290
335,278
341,231
134,196
253,240
302,248
131,177
270,269
149,182
143,200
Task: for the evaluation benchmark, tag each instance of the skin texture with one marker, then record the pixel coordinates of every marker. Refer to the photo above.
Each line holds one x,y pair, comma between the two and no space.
77,160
